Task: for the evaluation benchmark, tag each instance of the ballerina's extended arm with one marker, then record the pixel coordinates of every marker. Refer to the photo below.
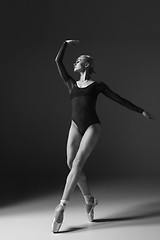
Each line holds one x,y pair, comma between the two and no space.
117,98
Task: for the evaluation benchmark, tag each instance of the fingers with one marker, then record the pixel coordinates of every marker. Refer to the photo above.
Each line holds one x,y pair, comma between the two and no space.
76,41
72,42
148,115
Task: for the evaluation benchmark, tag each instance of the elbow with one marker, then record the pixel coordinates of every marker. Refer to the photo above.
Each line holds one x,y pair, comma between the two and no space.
57,60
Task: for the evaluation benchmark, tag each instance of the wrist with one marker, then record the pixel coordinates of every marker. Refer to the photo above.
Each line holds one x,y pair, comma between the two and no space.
143,113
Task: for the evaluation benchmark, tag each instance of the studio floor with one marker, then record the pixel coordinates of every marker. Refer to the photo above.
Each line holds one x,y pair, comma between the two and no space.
128,209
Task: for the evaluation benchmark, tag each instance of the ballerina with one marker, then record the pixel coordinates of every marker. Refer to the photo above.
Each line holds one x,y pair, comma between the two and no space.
85,127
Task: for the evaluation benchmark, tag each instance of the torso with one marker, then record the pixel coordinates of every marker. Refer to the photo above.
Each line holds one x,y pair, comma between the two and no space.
84,99
83,105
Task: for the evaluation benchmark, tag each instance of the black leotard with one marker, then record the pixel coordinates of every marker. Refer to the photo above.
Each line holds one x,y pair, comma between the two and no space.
84,103
84,99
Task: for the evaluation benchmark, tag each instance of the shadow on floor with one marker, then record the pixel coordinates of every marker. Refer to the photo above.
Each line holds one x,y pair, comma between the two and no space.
147,213
73,229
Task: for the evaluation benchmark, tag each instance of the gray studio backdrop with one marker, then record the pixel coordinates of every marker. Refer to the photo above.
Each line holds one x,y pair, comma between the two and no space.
124,39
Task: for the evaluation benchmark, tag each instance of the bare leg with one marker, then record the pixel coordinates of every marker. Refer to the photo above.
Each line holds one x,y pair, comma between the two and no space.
87,144
73,143
83,185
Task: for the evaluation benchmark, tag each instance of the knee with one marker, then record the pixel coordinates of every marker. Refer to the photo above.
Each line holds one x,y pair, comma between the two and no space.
77,165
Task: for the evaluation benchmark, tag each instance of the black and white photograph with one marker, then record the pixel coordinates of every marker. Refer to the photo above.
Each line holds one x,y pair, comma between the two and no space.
80,120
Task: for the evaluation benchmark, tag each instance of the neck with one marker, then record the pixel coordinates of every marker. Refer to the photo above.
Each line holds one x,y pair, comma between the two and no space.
85,76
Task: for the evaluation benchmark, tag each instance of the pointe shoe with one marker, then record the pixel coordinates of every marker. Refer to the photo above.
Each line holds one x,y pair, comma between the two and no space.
58,219
90,204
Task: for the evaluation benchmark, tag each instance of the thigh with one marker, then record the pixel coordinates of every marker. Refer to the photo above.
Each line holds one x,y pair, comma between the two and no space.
87,143
73,142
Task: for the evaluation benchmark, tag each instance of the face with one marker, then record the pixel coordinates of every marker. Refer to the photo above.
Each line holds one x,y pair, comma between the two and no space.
79,65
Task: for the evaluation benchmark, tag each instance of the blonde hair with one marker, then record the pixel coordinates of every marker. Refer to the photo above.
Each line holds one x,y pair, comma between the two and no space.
90,61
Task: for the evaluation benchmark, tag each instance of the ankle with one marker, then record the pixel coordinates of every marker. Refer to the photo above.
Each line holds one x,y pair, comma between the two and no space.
63,203
88,198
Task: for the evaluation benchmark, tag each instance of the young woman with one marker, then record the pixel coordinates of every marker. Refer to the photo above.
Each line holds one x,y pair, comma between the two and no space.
85,127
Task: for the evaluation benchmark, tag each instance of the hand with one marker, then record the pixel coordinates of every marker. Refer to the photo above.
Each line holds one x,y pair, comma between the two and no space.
147,115
72,42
